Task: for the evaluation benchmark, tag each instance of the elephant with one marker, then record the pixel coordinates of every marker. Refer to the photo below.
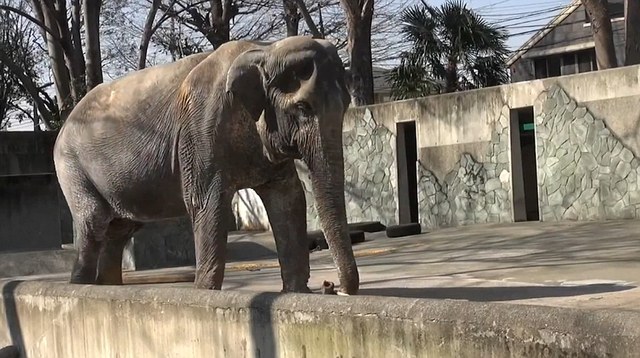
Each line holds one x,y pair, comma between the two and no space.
179,139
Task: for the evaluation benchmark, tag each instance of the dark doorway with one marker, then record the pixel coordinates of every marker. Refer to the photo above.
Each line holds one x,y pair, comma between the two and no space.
523,162
407,149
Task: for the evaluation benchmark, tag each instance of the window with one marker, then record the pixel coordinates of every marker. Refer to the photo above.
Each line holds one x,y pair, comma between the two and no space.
553,66
565,64
540,66
586,60
568,64
547,67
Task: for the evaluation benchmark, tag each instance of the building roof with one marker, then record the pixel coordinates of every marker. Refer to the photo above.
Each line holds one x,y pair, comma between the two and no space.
568,10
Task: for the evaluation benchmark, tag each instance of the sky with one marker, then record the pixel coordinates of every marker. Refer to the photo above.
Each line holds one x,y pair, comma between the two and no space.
521,18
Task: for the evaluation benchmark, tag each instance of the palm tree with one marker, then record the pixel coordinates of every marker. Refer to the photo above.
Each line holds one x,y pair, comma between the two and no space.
453,49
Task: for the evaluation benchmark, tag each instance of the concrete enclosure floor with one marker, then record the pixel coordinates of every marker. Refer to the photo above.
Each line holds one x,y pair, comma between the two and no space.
573,264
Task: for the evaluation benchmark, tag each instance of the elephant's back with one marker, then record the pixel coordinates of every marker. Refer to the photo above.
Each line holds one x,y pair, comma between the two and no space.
138,96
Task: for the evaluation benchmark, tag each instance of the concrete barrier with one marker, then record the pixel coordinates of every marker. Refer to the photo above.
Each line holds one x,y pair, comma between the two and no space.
46,319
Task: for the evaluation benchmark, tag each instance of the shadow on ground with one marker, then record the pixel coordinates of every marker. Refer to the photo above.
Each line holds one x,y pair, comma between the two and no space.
247,250
11,312
486,294
262,330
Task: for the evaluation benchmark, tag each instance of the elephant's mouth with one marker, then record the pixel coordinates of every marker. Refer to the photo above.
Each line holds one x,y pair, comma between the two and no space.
291,151
280,132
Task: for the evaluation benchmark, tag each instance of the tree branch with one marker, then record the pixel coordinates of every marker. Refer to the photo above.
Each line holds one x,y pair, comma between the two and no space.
147,33
28,84
308,20
33,20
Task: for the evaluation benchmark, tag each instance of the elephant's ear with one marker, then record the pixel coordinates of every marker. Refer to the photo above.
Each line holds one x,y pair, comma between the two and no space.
245,74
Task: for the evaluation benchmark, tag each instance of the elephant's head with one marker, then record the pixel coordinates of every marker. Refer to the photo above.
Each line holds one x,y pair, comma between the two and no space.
295,89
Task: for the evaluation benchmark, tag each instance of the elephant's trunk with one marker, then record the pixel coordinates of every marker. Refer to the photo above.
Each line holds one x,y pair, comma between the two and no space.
326,166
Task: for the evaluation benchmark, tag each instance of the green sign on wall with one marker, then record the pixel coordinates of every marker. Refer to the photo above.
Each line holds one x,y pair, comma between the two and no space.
528,127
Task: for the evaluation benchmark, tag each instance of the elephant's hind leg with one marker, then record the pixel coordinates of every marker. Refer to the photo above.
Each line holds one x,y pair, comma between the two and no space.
91,215
89,232
110,258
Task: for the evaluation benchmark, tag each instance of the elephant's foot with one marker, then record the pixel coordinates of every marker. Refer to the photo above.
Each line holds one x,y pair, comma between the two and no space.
301,289
208,280
110,277
83,275
81,280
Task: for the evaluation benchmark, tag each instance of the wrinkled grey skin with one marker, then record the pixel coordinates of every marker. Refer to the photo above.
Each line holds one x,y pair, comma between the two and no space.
180,139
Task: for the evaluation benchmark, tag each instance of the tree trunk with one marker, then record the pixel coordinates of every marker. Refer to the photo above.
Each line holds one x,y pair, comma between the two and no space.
219,29
359,17
602,33
452,76
80,66
291,17
632,32
147,33
61,75
92,35
75,68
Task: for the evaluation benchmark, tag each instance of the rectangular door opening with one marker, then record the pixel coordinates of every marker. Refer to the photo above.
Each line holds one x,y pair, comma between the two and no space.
407,150
524,165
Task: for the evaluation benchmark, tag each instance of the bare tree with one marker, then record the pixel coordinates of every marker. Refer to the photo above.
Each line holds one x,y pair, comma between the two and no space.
20,92
309,20
598,13
632,32
359,18
292,16
211,18
73,73
147,32
13,50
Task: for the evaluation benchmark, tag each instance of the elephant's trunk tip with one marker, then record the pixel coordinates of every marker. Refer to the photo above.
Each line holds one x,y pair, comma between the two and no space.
328,288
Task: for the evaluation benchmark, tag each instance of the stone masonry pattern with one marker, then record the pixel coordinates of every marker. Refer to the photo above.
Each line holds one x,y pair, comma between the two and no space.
584,171
472,192
370,174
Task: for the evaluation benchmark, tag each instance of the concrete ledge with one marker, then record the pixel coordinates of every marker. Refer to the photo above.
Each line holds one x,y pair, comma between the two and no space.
35,262
62,320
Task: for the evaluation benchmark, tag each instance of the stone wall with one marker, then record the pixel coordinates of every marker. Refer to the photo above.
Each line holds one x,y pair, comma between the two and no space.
584,171
370,174
472,192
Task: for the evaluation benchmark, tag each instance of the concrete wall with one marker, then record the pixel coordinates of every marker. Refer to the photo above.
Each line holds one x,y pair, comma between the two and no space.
45,319
26,153
465,167
33,214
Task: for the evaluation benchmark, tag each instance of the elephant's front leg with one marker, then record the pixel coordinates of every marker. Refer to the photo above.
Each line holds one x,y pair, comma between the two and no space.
286,208
210,231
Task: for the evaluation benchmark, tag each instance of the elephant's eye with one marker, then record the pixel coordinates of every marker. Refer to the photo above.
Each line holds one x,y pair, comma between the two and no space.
304,108
304,70
289,81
